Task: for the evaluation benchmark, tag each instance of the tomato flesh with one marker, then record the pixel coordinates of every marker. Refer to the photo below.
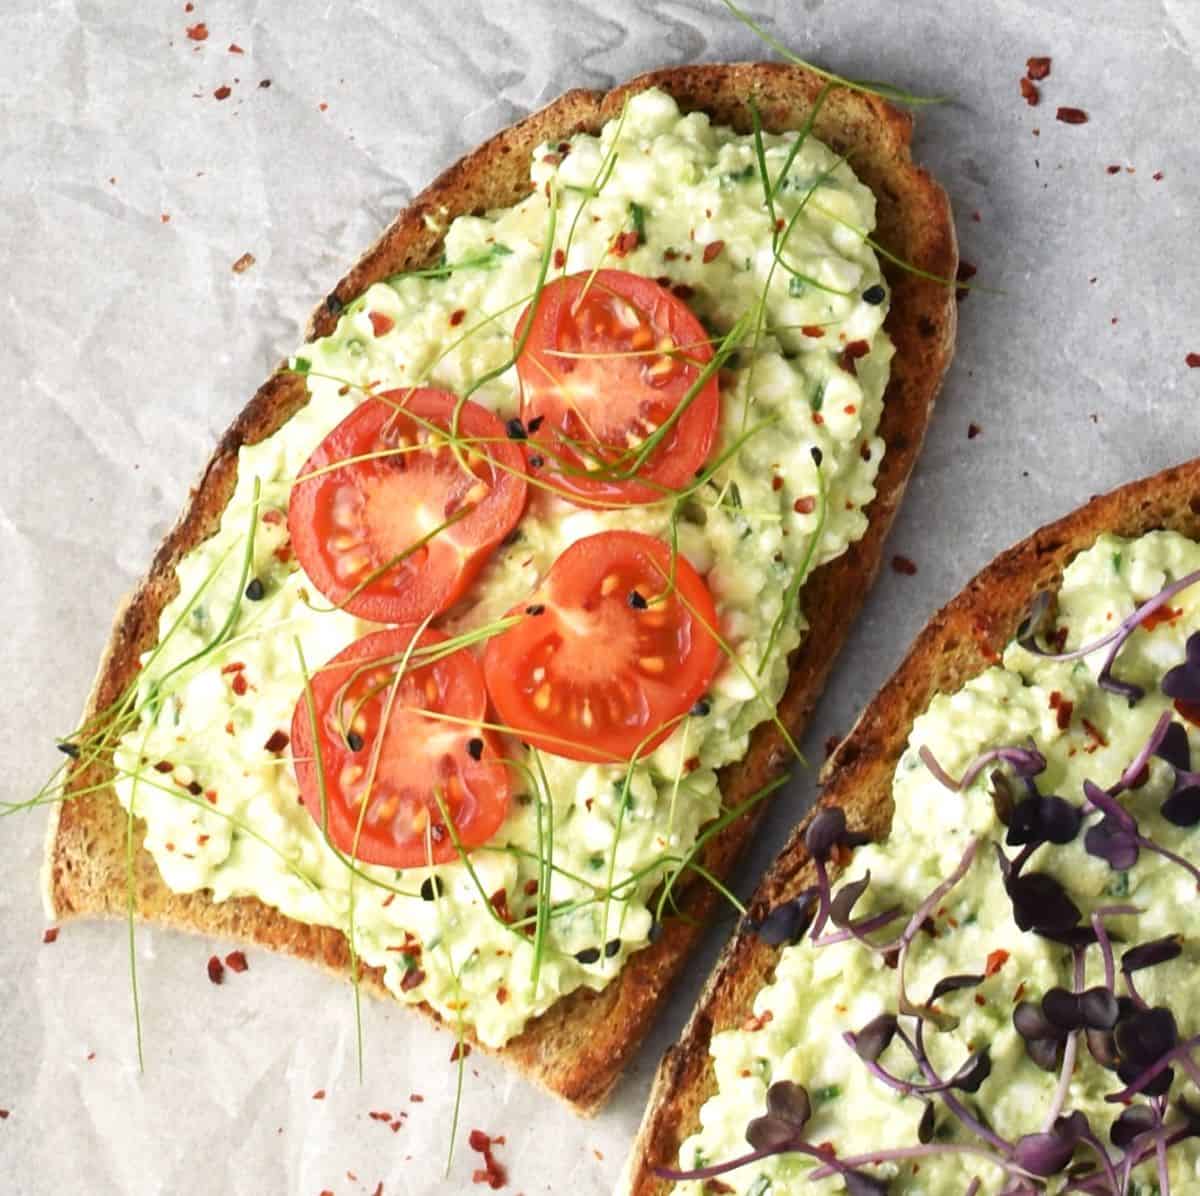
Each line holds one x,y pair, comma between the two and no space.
607,361
400,536
381,744
609,654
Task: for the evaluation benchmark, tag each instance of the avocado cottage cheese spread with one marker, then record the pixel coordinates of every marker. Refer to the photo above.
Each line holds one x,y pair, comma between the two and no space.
820,993
694,193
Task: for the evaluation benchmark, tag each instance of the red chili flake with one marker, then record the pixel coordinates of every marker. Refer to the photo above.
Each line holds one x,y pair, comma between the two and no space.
624,243
1113,169
712,250
3,1114
1019,992
777,482
239,684
457,316
499,900
165,218
216,969
1072,116
243,263
380,323
813,330
234,666
980,999
1193,360
1095,734
1157,176
682,291
1037,68
851,353
50,935
189,6
234,48
905,565
995,961
380,1115
691,764
818,418
197,32
552,159
1164,614
416,1098
412,978
235,961
223,92
1030,92
461,1051
164,766
1063,709
973,430
491,1173
754,1023
319,1094
804,506
273,515
669,255
560,259
211,794
531,887
277,742
502,994
850,409
322,106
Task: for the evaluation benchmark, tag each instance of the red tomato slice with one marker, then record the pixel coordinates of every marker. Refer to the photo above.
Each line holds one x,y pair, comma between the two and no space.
608,401
408,758
356,529
606,656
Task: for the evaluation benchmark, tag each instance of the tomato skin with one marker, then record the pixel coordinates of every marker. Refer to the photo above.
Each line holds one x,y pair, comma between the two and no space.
613,403
349,522
606,658
417,753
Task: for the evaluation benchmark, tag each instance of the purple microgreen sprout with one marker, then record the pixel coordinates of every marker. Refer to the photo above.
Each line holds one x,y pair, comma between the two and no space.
1025,761
1117,839
1040,619
1182,808
1183,681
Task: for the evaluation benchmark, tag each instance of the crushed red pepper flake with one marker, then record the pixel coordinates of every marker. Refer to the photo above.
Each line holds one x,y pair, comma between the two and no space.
243,263
319,1094
412,978
50,935
904,565
1157,176
223,92
165,218
216,969
457,316
1038,68
264,83
851,353
1164,614
624,243
416,1098
973,430
197,32
1030,93
380,324
461,1051
239,684
560,259
235,961
712,250
1063,709
995,961
234,48
322,106
4,1114
278,741
1094,734
491,1173
804,506
1071,116
813,330
1193,360
1114,168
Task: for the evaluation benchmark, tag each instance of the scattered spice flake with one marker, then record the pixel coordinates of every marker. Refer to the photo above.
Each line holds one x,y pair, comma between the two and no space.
197,32
319,1094
1071,116
235,961
624,243
216,969
412,978
976,217
491,1173
1037,68
966,271
850,354
1030,93
165,218
813,330
1157,176
1193,360
560,259
223,92
712,250
902,564
239,685
461,1051
380,324
50,934
323,107
189,6
278,741
995,961
804,506
378,1189
3,1114
234,48
1114,168
1094,734
264,83
416,1098
973,430
243,263
1063,709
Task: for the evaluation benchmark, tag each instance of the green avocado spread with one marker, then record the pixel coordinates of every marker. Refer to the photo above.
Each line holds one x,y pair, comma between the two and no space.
820,993
205,769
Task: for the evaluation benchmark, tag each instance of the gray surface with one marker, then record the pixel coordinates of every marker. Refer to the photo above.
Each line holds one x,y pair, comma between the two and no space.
130,344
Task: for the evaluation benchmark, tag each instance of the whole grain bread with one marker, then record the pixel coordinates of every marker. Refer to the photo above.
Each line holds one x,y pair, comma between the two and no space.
960,641
578,1047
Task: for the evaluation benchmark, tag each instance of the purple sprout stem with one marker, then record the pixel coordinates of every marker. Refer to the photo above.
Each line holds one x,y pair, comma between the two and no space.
1069,1052
974,1186
1105,944
822,914
855,930
904,1087
900,1153
715,1169
1017,756
1150,845
1105,1161
1149,748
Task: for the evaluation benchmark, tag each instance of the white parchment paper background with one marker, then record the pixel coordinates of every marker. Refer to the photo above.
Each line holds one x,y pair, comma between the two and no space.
127,190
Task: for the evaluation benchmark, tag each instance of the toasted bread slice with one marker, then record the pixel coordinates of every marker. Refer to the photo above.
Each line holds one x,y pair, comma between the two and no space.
960,641
576,1049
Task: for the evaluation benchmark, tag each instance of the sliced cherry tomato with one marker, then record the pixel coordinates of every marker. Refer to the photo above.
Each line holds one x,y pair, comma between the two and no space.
398,767
608,653
399,537
598,378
